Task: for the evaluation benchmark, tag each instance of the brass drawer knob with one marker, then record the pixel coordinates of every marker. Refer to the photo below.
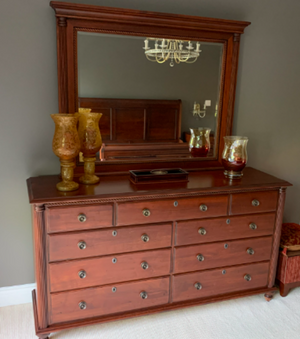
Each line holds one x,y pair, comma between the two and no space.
253,226
145,238
146,212
81,245
255,203
82,274
144,265
250,251
202,231
200,257
203,208
82,305
144,295
198,286
82,217
247,277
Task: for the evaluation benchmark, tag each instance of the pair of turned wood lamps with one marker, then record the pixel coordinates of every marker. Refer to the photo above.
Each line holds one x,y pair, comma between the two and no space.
74,133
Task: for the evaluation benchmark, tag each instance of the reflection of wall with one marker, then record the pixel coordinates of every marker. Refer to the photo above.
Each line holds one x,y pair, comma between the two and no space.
116,67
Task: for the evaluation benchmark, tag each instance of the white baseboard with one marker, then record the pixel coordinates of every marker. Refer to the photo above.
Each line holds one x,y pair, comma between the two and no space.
15,295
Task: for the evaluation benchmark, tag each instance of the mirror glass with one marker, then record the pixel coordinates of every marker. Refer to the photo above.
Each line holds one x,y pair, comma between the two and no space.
159,109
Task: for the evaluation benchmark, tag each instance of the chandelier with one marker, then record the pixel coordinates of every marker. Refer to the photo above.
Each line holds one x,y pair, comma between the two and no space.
175,50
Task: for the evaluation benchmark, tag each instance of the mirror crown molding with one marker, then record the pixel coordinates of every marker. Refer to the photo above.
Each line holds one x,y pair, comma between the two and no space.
100,13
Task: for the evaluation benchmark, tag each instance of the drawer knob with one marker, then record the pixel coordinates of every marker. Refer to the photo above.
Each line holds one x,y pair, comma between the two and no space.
82,274
82,305
175,203
146,212
203,208
81,245
198,286
114,233
202,231
145,238
255,203
250,251
114,289
114,260
253,226
82,217
247,277
200,257
144,265
144,295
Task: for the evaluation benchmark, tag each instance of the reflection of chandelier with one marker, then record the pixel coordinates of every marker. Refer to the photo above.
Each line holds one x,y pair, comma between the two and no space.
165,49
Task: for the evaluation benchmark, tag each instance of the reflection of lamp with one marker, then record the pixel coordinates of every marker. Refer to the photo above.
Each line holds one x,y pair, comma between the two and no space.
197,111
165,49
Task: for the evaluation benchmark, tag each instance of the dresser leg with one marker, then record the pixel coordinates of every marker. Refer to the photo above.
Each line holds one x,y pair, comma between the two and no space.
269,296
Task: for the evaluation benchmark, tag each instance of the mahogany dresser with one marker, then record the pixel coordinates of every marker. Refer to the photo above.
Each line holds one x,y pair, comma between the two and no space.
113,250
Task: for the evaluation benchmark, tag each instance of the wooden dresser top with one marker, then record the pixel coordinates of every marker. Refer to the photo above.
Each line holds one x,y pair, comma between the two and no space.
42,189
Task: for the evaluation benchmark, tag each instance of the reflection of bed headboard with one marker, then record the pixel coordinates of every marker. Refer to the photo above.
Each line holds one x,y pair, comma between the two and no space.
137,120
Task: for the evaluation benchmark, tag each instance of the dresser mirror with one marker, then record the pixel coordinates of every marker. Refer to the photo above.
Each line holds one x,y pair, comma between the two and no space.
164,83
166,99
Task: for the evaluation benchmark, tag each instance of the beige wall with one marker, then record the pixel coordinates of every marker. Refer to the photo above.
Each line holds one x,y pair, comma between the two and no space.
266,110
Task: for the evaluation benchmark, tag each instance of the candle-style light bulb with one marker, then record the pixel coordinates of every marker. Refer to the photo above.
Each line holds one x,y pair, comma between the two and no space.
146,44
198,47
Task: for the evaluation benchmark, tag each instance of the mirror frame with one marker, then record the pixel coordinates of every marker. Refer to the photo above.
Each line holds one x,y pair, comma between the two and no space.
71,18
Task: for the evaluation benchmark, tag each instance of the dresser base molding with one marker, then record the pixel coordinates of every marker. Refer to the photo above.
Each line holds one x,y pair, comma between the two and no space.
42,333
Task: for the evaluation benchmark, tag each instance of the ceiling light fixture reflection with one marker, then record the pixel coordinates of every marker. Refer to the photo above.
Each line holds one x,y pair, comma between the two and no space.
176,50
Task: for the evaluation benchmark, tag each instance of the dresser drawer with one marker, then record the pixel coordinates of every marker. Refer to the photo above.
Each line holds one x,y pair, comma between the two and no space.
62,219
254,202
171,209
215,282
217,229
201,257
103,242
104,300
109,269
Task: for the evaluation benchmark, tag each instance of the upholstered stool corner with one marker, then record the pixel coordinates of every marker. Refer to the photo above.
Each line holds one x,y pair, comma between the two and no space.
288,272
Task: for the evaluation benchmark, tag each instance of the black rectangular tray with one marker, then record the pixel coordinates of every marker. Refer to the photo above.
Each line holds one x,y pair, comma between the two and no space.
164,175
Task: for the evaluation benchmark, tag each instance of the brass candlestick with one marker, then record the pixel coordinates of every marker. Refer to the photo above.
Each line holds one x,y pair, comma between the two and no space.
90,143
66,146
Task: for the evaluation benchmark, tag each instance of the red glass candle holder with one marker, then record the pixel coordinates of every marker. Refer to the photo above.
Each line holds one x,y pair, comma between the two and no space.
234,157
199,144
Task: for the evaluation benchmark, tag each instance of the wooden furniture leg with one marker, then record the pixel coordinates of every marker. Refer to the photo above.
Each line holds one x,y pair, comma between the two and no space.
283,289
269,296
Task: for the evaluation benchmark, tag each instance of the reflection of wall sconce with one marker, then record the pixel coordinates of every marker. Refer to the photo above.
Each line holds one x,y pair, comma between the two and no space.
197,111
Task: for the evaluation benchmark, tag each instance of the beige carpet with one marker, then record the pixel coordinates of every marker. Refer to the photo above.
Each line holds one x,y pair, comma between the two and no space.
246,318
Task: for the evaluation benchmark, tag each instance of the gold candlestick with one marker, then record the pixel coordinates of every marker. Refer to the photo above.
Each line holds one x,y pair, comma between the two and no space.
90,143
66,146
